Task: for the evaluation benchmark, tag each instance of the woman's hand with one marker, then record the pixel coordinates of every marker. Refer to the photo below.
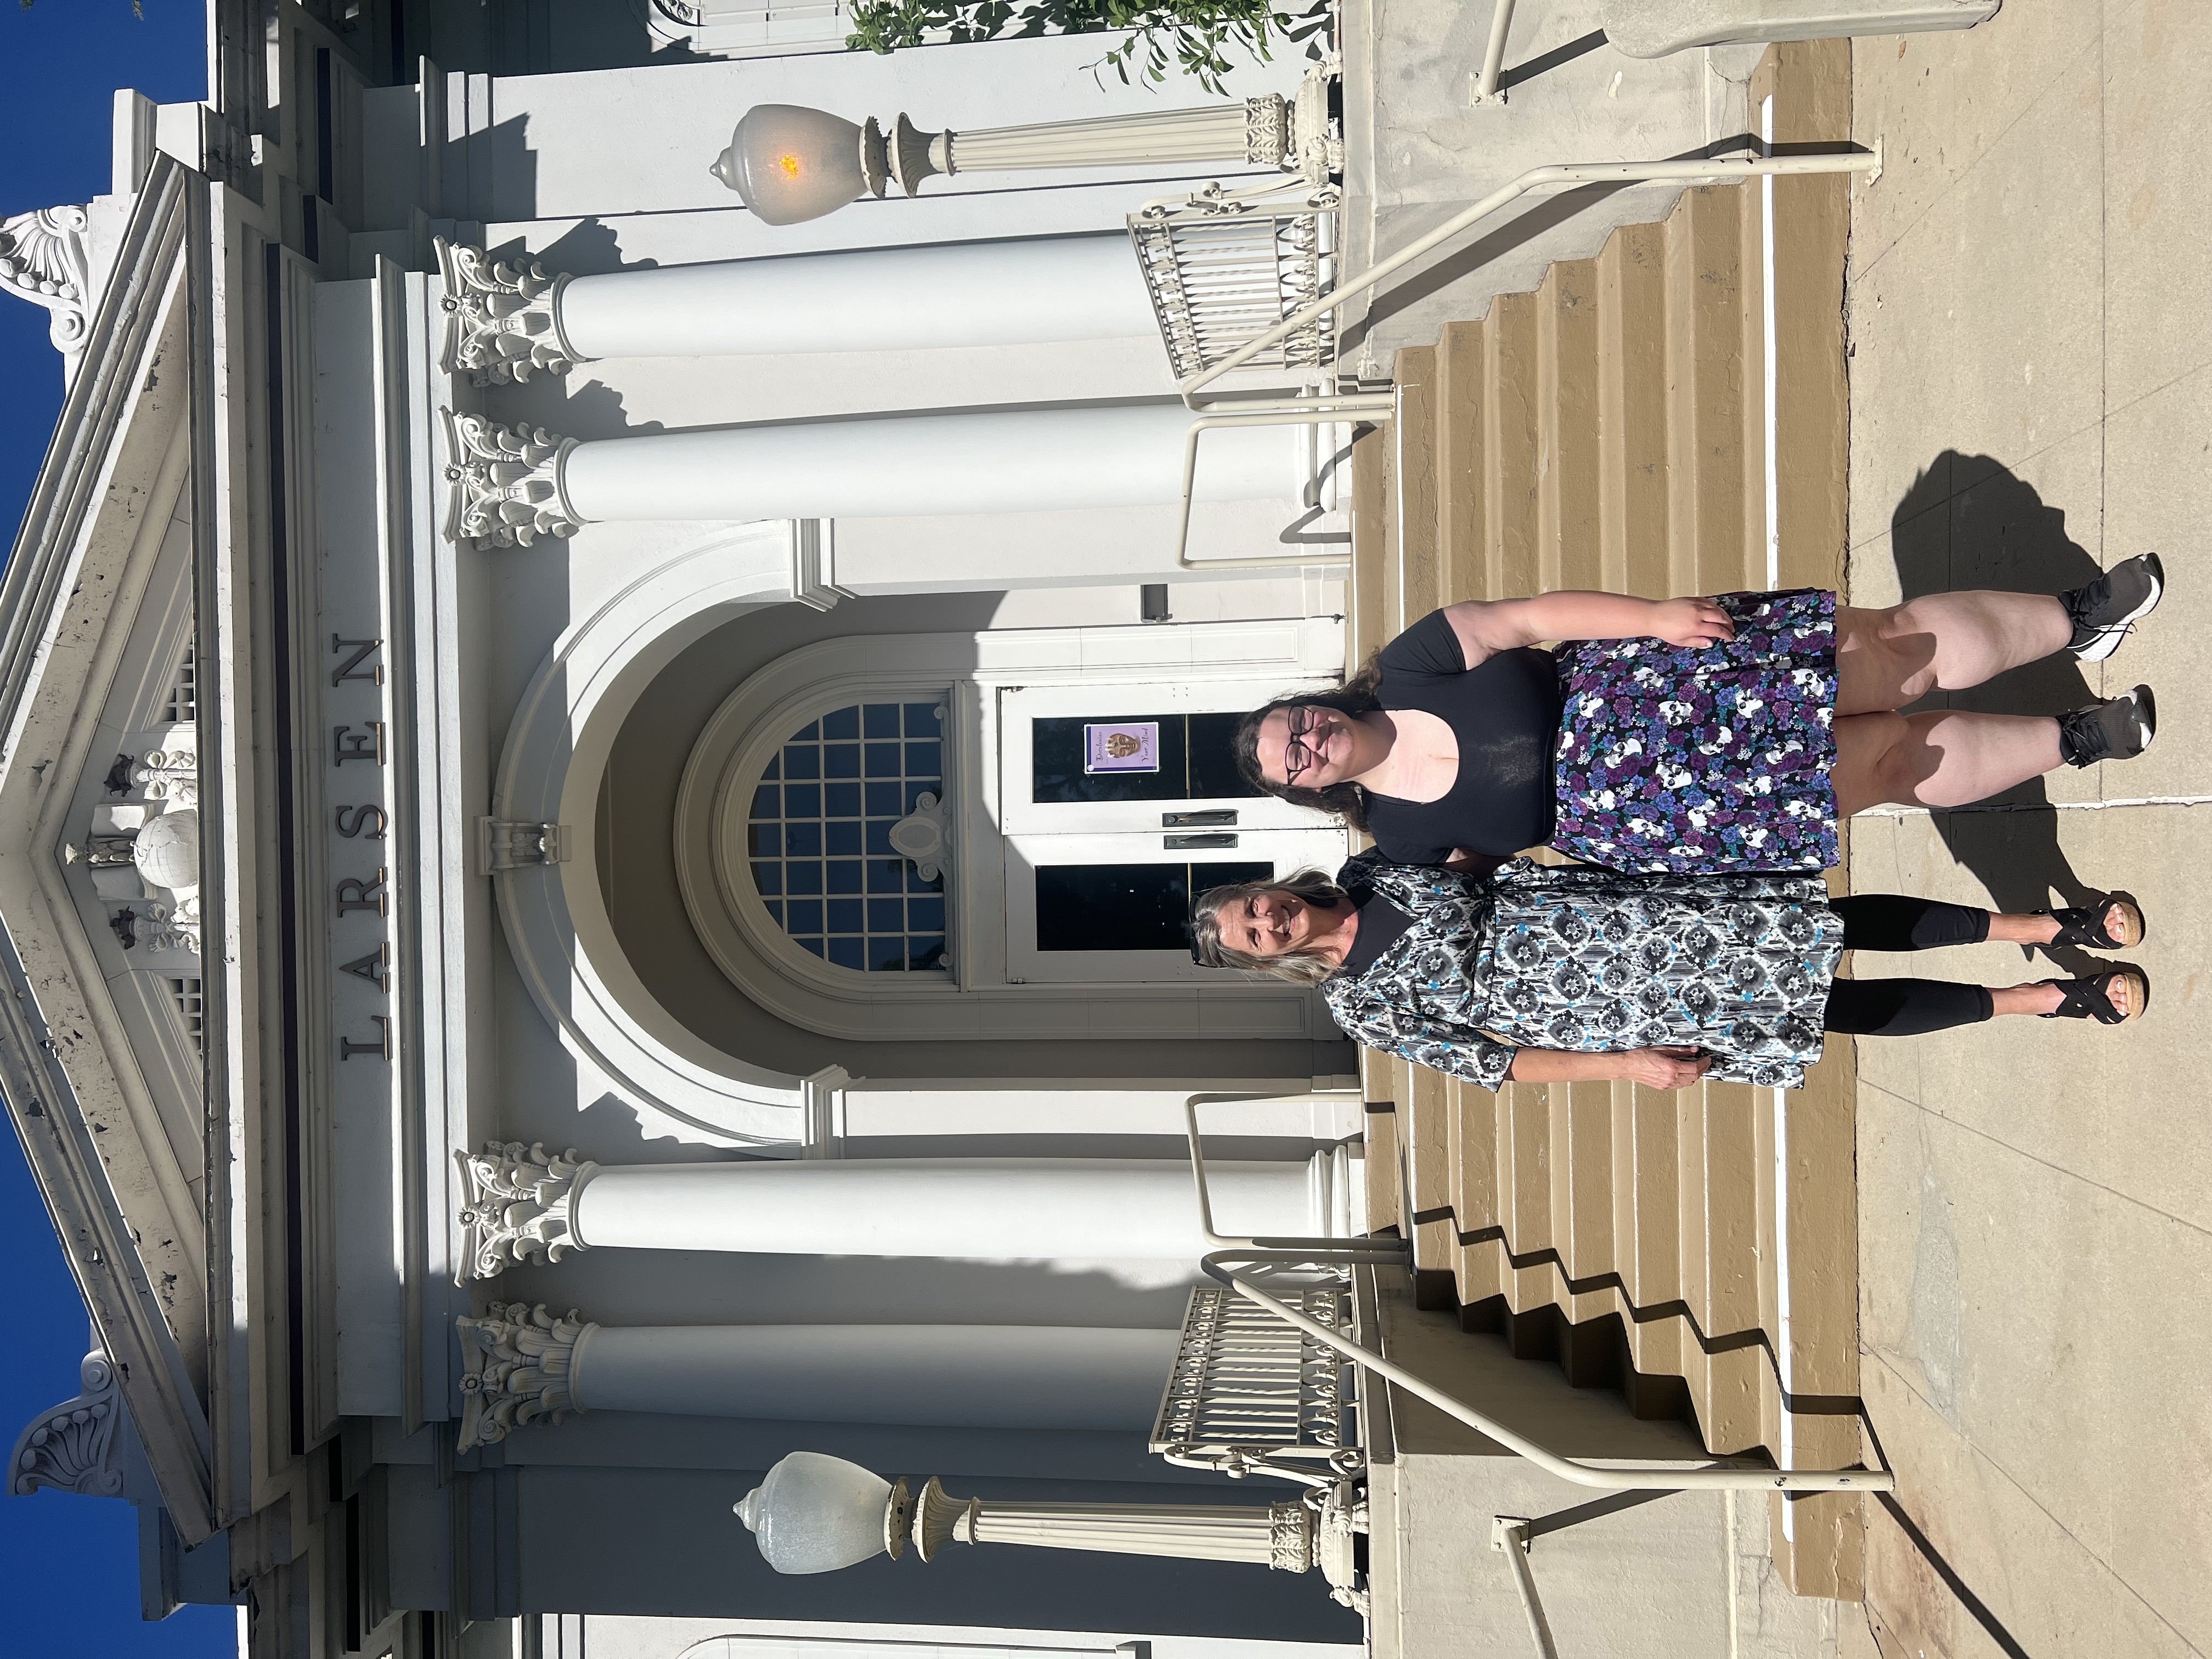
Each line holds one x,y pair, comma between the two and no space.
1663,1068
1695,623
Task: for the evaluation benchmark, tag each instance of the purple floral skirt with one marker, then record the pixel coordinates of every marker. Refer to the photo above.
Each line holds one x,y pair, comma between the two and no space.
1703,761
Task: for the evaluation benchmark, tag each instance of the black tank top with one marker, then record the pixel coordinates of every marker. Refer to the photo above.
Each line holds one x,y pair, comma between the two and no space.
1505,713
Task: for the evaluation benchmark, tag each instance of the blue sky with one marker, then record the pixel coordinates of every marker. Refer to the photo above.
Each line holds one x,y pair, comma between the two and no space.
69,1566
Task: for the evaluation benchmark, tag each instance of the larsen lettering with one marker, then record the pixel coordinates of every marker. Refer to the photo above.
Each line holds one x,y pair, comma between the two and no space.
369,820
375,968
350,668
381,1048
348,744
357,894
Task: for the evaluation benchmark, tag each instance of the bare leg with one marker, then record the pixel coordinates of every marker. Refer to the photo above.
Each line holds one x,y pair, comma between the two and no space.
1945,758
1943,641
2006,929
2045,999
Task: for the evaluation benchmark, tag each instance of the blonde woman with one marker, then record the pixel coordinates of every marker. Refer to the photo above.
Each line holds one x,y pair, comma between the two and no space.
1545,973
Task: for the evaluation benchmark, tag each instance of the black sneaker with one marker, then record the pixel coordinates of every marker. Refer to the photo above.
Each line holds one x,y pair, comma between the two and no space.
2118,728
2104,611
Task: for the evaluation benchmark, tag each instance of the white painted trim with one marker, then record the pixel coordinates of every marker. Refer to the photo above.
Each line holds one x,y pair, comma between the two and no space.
555,916
813,555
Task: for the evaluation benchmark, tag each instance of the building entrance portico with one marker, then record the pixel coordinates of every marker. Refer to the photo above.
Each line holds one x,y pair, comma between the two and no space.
805,836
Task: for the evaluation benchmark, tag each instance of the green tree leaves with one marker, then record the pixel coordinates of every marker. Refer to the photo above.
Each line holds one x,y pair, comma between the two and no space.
1195,36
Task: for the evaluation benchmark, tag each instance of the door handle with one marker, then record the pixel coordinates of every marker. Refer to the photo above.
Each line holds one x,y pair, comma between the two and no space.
1215,818
1186,843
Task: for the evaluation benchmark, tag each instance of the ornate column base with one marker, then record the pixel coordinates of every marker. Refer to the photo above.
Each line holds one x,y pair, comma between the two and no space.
505,483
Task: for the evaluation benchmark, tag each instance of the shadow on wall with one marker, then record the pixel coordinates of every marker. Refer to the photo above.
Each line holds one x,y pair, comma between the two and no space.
1967,522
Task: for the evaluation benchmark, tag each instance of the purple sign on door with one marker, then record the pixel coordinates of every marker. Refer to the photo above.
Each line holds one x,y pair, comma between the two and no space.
1124,746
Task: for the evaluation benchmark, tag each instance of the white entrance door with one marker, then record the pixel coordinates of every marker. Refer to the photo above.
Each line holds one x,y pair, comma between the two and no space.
1120,804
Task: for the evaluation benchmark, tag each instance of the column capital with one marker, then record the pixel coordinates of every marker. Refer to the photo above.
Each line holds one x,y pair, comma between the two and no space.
502,320
519,1207
504,483
520,1363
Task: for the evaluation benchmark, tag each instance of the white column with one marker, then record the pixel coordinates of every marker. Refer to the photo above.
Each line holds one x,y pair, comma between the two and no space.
507,320
526,1365
948,294
526,1204
1015,461
1030,1377
514,484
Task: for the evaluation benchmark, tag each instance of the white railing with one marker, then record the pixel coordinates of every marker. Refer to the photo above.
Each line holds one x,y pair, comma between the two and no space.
726,28
1326,409
1245,1383
1224,267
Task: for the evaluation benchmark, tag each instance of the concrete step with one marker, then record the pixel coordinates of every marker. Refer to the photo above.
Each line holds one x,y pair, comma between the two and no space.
1611,429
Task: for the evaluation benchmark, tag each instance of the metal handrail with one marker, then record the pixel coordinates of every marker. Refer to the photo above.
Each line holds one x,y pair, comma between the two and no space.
1327,409
1494,56
1611,1476
1377,1252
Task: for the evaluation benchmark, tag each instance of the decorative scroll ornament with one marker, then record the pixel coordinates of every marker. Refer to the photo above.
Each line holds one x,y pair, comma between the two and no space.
502,321
1313,148
72,1447
505,483
42,259
503,844
923,834
518,1208
169,775
1343,1518
170,928
519,1362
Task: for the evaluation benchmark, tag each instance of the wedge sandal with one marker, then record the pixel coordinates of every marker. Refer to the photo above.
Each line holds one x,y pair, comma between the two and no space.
2091,998
2085,925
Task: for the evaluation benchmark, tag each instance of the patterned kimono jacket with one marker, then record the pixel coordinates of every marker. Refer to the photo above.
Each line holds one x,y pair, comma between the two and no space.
1548,957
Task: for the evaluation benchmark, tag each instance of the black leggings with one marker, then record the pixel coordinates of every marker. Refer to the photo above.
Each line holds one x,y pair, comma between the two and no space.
1905,1007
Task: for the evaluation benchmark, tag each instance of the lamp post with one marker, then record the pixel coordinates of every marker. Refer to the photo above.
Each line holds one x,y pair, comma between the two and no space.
791,163
815,1513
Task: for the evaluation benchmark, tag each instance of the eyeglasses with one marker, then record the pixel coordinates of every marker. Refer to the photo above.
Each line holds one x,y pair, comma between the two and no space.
1298,755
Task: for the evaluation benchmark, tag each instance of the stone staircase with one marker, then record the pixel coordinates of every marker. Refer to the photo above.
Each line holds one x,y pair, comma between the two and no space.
1697,1250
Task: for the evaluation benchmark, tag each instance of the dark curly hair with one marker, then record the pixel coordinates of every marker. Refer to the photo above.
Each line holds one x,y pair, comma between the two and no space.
1357,695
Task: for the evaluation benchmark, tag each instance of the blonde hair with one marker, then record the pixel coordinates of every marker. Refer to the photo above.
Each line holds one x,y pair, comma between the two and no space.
1298,967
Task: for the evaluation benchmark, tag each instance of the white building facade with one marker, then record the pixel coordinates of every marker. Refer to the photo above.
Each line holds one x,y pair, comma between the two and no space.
694,911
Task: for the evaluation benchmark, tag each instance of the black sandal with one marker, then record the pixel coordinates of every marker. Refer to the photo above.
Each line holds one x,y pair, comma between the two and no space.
2085,925
2090,997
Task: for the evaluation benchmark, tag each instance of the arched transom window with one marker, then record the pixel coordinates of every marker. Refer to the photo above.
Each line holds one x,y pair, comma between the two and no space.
819,837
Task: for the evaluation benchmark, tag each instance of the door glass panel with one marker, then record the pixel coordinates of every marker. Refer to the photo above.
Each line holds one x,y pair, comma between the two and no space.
1196,761
1128,907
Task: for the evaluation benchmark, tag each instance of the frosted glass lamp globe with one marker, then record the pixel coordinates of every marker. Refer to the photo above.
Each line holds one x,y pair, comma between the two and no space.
815,1513
790,163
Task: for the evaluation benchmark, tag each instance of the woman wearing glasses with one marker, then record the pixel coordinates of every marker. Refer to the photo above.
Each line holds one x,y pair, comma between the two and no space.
1706,734
1551,974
